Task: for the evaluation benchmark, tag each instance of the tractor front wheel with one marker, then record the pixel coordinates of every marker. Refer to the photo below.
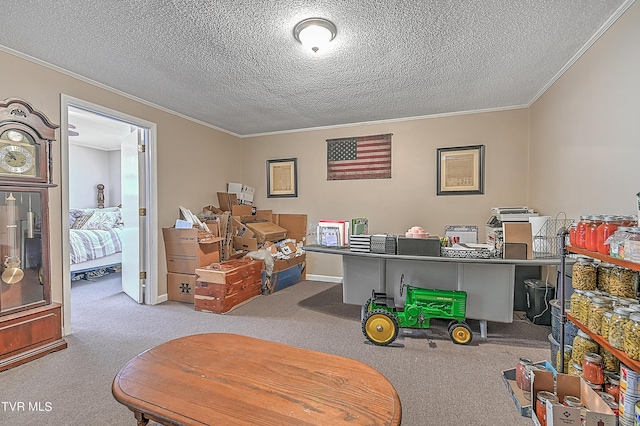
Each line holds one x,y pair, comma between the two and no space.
380,327
460,333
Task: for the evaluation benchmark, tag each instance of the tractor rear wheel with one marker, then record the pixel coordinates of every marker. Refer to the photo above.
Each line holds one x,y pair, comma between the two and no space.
365,309
460,333
380,327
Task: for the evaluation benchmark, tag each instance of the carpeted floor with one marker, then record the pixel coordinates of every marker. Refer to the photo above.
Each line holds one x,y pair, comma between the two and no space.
439,383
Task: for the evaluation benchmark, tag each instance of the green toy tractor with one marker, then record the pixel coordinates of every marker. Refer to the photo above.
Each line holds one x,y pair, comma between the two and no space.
381,319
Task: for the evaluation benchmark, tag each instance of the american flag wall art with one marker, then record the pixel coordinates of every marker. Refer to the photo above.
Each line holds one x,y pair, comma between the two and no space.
363,157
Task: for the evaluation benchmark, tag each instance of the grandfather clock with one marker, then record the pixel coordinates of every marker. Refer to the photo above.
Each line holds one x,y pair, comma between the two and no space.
30,325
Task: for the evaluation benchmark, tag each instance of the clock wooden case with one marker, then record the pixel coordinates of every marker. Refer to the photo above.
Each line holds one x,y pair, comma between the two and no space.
30,324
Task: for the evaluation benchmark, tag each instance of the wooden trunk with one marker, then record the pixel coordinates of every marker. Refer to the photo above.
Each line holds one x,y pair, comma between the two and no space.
222,286
28,335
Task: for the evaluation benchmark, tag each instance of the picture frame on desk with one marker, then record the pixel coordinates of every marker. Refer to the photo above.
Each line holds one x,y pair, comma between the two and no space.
282,178
460,170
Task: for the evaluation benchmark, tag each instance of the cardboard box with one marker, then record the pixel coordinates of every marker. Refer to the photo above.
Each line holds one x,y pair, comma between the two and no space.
286,272
267,231
226,235
295,224
518,233
245,243
264,215
185,254
239,229
241,210
212,209
214,227
181,287
521,398
599,413
282,264
226,200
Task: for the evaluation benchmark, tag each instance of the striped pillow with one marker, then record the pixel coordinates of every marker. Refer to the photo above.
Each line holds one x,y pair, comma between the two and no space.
82,220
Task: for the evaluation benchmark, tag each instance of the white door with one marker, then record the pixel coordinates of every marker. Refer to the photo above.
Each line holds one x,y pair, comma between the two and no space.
143,238
131,237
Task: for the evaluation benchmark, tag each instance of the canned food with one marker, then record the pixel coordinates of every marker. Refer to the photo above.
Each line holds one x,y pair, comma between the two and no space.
599,305
541,405
575,369
527,375
616,328
603,274
575,303
612,386
611,363
522,363
629,380
582,344
584,274
631,338
606,323
564,358
572,401
614,407
592,368
623,282
627,405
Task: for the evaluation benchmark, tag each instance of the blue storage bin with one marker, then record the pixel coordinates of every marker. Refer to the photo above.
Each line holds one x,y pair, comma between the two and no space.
281,279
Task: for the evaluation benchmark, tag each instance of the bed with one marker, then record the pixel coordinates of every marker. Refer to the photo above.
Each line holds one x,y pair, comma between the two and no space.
94,238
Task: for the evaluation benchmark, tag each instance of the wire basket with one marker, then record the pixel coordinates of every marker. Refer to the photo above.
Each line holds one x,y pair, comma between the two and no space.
546,244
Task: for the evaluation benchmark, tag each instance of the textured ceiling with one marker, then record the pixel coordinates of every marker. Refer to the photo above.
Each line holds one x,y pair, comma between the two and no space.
235,65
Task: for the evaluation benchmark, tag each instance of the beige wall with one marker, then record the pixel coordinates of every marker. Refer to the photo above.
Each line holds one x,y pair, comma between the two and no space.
409,197
593,109
585,130
190,169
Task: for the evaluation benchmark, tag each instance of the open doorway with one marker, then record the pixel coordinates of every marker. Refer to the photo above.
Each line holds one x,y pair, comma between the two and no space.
108,167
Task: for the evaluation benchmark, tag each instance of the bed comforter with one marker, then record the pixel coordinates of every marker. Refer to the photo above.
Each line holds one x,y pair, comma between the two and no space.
89,244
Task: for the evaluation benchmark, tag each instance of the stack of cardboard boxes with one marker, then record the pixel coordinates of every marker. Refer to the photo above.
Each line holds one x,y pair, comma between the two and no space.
283,235
187,250
240,229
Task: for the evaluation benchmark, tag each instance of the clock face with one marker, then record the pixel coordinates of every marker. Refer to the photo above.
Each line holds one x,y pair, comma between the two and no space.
17,159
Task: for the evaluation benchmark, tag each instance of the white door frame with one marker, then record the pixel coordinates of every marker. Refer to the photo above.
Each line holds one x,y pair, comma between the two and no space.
148,261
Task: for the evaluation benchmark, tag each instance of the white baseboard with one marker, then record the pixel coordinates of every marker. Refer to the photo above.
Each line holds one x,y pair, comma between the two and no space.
162,298
325,278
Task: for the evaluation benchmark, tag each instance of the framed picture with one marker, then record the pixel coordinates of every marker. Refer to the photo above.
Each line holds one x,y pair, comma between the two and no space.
460,170
282,178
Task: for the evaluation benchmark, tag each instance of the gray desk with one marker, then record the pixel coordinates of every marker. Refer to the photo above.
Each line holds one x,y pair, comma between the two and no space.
489,283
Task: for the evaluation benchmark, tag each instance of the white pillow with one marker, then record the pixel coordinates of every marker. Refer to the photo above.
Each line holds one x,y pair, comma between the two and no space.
101,220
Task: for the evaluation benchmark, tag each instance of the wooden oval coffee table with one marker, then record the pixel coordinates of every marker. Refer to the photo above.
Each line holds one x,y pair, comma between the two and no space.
228,379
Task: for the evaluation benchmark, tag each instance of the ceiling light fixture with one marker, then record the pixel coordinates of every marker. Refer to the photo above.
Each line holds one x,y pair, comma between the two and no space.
314,33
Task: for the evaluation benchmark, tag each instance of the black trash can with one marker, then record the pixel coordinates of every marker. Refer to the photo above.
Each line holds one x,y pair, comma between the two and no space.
539,294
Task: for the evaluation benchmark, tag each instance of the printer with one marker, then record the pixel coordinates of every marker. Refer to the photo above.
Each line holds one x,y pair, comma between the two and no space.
499,215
